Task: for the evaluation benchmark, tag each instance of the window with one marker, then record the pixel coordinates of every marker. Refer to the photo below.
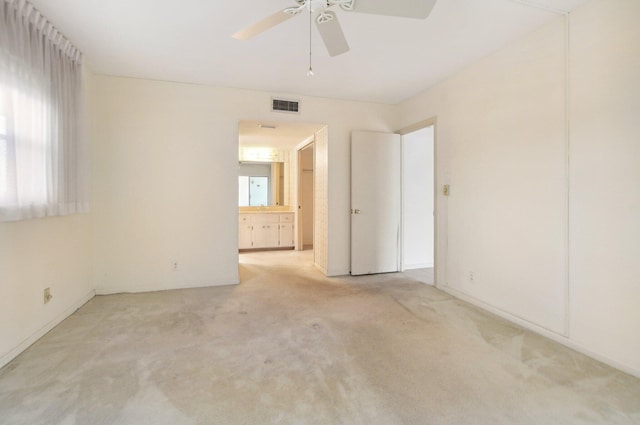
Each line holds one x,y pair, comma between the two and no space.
254,191
42,156
23,150
255,184
4,171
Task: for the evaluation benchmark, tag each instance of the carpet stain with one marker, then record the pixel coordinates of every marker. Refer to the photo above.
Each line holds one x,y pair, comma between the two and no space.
289,346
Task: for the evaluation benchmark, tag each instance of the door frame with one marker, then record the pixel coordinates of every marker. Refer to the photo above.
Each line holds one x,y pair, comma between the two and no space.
438,256
320,171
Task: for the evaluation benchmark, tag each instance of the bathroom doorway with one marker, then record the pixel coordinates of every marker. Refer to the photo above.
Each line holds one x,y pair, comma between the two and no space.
305,196
281,214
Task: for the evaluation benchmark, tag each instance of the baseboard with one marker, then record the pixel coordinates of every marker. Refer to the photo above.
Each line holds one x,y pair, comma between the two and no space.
417,266
319,267
337,273
169,287
542,331
16,351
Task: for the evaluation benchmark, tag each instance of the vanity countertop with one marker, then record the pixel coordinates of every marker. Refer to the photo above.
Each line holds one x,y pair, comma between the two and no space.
257,211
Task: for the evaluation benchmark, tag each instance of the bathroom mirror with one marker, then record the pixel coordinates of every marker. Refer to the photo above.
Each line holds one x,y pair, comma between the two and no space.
261,184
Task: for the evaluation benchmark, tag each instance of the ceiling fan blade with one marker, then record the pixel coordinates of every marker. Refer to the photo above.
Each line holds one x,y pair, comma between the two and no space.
418,9
263,25
332,35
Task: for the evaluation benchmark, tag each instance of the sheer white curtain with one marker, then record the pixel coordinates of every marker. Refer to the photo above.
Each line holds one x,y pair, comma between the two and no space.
42,154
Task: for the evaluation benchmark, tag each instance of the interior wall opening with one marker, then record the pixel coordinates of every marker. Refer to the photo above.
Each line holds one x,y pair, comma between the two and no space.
306,196
418,203
276,196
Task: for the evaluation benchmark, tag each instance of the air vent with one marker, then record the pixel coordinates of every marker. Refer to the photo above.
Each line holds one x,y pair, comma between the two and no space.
283,105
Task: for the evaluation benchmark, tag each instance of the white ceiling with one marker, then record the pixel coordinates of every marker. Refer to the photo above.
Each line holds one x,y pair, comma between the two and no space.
390,60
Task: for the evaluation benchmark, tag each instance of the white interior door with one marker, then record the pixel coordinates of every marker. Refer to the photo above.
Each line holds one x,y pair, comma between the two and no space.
375,202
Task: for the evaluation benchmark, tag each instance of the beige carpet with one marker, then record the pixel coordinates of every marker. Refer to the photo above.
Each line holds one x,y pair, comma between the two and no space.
289,346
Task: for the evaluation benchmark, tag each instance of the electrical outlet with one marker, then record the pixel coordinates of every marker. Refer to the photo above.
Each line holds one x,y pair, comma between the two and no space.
174,266
471,276
47,295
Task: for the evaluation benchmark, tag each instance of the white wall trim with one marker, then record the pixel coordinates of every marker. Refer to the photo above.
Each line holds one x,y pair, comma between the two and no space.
166,287
306,142
17,350
322,269
557,337
418,266
567,177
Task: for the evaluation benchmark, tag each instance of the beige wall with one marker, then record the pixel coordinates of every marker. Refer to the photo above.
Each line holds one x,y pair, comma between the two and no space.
605,179
306,176
36,254
503,145
165,179
320,198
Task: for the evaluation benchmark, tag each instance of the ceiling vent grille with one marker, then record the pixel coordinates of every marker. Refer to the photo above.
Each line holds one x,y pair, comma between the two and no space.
283,105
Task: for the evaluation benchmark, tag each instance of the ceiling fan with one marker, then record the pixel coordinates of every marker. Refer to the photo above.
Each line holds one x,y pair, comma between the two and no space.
327,20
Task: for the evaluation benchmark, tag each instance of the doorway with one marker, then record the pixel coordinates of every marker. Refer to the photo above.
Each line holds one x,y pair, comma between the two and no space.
418,203
305,197
278,185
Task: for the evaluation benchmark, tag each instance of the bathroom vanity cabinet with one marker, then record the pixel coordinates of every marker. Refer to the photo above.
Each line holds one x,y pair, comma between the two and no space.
266,230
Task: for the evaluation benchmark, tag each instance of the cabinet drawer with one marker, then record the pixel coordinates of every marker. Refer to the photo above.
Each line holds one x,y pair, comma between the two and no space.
264,218
286,218
244,219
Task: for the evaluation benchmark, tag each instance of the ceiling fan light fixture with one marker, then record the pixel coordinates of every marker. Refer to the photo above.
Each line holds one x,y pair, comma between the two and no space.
344,4
325,17
293,11
327,22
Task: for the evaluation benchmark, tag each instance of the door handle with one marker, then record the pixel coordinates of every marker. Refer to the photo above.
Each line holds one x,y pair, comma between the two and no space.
356,211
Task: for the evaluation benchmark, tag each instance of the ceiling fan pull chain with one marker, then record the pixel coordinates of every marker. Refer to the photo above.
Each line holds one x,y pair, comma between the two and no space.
310,71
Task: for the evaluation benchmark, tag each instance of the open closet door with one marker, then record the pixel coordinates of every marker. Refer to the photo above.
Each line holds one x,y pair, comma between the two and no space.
375,202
